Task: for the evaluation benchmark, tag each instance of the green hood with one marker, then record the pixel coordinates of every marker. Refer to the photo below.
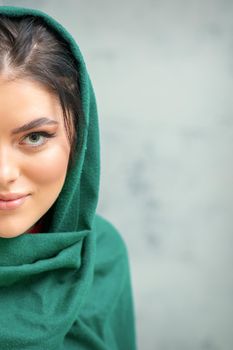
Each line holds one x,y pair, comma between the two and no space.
70,287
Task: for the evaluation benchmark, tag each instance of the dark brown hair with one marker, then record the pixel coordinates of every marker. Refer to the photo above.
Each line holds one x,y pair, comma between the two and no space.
32,50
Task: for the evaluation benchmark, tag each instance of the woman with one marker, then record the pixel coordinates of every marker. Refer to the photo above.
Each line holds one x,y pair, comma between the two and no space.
64,272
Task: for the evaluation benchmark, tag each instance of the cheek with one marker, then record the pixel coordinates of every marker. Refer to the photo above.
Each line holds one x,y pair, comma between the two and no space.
48,167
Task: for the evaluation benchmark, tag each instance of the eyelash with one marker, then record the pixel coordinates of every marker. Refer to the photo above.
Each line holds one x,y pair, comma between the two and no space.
41,133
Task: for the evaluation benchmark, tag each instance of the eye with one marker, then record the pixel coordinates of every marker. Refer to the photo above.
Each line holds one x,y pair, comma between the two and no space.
38,138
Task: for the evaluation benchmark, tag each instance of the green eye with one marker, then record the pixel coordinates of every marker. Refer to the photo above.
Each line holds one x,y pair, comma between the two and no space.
34,137
38,138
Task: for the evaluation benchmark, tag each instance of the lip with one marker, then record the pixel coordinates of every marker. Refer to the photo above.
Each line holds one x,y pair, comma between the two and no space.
11,196
14,203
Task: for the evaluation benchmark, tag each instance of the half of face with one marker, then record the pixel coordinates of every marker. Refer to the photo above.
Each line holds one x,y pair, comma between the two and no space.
34,154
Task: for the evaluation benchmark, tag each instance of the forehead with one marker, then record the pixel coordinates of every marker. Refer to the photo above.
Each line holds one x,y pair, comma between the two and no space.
24,99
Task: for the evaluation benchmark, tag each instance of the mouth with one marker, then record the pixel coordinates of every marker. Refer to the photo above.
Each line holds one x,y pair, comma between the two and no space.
14,203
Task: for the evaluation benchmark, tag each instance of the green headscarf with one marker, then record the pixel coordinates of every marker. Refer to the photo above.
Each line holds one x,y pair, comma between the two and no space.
70,287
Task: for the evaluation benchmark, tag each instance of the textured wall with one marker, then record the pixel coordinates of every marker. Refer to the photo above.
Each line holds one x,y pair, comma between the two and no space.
162,71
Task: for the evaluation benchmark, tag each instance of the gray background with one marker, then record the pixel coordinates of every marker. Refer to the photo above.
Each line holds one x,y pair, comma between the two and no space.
162,73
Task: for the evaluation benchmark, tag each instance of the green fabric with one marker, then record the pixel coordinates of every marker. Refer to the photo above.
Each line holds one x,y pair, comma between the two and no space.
70,287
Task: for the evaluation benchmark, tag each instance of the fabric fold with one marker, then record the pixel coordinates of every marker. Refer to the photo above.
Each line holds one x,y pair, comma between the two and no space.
43,296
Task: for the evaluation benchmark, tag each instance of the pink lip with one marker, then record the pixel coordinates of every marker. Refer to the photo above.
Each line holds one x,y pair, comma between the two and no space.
11,196
12,204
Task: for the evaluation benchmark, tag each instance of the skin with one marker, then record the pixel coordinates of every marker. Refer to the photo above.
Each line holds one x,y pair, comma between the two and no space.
38,171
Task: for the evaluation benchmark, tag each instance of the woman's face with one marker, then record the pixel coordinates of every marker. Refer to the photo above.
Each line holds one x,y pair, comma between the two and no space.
31,164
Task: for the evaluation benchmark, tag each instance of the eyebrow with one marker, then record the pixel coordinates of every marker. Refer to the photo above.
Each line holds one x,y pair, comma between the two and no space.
34,124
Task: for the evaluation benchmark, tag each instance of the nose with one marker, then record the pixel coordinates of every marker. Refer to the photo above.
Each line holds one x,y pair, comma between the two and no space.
9,169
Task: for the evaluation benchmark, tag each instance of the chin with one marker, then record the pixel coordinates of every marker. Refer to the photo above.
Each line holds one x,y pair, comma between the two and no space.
10,233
